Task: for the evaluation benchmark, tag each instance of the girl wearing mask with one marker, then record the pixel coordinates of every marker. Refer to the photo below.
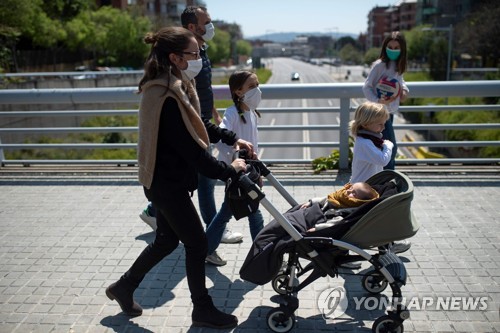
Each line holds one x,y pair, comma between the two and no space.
240,118
172,149
391,64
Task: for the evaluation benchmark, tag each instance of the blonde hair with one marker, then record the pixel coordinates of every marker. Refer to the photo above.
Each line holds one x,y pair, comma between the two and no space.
366,114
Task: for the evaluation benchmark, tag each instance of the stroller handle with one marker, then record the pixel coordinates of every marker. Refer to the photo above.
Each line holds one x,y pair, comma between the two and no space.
265,172
256,163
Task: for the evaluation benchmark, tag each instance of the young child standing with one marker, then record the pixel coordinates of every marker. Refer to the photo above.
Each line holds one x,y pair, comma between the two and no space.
371,151
391,64
240,118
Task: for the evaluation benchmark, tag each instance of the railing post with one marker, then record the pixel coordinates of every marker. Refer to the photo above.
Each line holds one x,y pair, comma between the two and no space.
2,156
344,133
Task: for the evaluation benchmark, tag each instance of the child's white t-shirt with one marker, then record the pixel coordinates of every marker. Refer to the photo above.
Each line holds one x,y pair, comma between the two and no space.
246,131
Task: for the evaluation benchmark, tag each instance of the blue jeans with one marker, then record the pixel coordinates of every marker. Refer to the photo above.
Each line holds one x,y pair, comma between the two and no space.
388,134
216,228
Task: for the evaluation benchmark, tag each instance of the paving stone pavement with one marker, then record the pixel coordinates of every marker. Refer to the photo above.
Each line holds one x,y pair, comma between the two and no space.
64,239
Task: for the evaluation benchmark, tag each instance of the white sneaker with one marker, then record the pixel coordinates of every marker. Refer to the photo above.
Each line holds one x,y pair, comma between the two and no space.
400,247
230,237
215,259
149,220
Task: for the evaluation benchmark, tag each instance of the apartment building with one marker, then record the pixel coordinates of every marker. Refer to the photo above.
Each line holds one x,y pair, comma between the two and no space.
406,14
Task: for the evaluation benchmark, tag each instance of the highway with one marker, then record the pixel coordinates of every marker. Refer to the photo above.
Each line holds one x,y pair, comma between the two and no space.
282,69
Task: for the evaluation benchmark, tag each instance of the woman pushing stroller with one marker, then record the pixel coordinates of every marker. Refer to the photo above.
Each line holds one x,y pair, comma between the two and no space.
172,149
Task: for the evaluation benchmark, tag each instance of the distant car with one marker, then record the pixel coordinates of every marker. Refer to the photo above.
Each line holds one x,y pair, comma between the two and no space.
295,76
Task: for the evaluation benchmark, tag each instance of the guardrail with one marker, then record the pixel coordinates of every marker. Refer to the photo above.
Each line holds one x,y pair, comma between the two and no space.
345,92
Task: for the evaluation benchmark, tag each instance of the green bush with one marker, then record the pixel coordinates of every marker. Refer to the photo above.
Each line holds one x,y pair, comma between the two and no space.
330,162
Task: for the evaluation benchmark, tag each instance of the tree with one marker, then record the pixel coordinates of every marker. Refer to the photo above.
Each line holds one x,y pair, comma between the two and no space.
438,61
371,55
235,34
349,54
112,35
418,41
346,40
65,10
477,34
219,47
15,17
243,48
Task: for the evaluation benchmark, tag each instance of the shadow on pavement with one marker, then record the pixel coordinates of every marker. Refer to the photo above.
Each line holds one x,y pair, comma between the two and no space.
122,323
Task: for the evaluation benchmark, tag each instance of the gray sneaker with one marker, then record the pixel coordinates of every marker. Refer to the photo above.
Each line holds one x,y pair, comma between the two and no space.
215,259
400,247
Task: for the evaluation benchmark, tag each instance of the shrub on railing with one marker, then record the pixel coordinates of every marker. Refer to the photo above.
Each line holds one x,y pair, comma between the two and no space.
330,162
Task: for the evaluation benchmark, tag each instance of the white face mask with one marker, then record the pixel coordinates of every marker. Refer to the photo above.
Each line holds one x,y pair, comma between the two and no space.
193,69
252,98
209,32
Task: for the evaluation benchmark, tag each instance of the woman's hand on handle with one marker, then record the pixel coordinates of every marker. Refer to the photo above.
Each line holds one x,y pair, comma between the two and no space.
239,165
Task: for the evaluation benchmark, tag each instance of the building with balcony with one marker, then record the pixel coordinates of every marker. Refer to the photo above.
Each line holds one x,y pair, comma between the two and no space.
383,20
378,26
443,13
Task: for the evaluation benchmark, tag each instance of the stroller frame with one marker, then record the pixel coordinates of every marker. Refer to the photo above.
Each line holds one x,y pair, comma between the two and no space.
388,268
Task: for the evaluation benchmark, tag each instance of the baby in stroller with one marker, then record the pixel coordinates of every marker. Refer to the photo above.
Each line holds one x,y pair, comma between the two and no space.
350,196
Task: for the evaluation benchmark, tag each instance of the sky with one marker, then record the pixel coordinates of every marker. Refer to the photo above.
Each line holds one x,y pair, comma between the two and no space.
261,17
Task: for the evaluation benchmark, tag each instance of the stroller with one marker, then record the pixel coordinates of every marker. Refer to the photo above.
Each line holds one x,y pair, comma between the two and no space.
370,226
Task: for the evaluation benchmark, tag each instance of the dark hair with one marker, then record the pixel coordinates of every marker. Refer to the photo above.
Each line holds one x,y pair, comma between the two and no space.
189,15
236,81
164,42
401,62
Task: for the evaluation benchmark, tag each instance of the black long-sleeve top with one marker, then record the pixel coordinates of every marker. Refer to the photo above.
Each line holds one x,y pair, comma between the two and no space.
179,158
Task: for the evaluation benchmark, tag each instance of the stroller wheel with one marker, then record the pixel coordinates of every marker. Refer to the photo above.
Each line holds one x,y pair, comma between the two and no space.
277,321
386,324
280,283
374,282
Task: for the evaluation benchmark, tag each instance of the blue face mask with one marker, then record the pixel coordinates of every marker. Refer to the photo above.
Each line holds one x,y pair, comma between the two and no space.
392,54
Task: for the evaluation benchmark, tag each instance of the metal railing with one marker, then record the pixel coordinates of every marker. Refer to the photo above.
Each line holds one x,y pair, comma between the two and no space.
345,92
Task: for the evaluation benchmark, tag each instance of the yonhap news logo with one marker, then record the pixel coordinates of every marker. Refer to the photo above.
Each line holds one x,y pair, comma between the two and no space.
334,302
438,303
